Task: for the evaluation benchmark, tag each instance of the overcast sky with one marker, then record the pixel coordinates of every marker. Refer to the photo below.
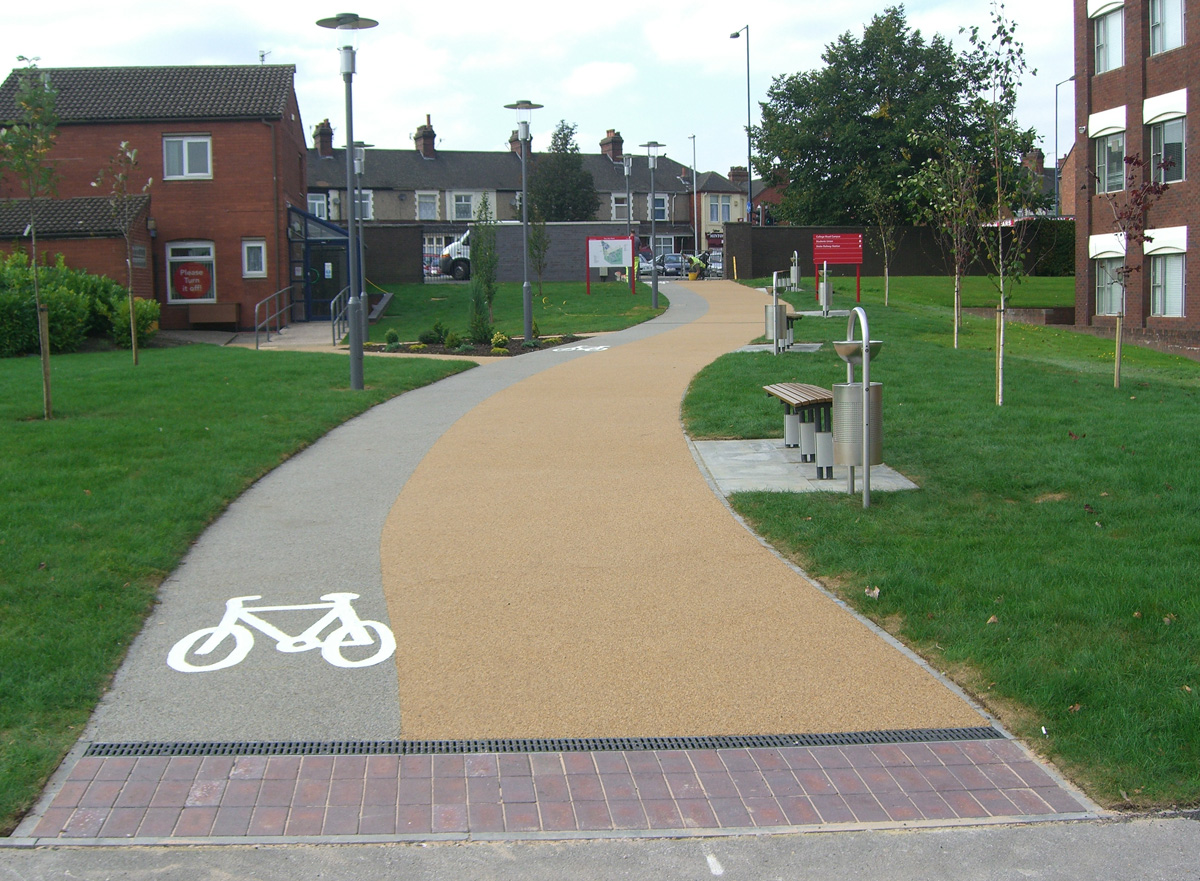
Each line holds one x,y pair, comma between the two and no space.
661,71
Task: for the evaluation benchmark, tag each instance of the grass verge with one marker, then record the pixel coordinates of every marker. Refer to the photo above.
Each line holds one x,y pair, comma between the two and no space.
1051,557
560,308
98,505
978,291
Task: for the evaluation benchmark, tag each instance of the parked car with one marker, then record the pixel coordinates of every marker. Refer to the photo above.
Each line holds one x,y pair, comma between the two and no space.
456,258
716,264
671,264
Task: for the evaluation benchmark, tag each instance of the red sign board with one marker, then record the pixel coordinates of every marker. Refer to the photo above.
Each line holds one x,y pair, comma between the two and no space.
192,280
837,247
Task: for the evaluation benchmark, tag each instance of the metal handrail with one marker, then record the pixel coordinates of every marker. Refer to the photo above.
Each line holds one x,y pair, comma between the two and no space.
274,312
339,308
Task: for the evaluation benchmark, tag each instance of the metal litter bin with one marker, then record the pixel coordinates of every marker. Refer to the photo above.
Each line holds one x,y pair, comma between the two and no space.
848,424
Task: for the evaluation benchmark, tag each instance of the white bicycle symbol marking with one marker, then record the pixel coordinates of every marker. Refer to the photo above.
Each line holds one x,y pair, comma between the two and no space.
352,631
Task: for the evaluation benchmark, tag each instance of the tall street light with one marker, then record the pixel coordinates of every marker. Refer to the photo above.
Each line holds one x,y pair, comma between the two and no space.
360,159
695,201
1057,170
349,21
525,110
652,149
749,173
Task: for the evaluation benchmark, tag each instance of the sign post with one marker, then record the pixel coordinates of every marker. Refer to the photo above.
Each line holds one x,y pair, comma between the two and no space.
611,252
840,249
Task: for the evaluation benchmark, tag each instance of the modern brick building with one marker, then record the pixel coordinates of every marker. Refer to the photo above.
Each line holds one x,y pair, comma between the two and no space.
226,151
1135,62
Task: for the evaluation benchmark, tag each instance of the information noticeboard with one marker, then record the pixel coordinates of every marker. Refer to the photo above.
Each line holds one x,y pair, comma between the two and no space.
838,248
611,252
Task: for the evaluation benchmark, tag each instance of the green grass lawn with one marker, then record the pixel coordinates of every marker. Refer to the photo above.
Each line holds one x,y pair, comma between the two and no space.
560,308
919,290
1069,516
98,505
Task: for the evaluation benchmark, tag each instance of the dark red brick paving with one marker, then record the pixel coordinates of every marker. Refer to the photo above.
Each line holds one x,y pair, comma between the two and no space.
548,793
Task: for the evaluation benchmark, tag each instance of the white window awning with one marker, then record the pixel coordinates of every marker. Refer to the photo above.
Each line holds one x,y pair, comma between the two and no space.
1106,245
1097,8
1106,122
1172,105
1167,240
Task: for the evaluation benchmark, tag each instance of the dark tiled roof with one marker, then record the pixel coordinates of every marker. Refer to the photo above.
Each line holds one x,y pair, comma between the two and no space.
66,218
498,170
111,94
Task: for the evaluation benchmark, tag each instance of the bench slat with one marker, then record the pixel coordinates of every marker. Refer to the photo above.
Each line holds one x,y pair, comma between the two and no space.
798,394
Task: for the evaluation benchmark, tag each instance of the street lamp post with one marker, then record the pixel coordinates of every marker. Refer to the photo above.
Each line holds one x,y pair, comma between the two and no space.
1057,170
695,202
749,173
360,157
652,149
525,110
351,22
627,161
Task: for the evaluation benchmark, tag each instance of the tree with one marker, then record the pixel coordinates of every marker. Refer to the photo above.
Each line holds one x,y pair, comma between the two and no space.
483,253
25,145
119,174
883,209
1002,59
539,244
944,194
831,131
559,186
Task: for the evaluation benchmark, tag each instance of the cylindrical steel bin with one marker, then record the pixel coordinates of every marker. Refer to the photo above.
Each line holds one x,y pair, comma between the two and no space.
848,424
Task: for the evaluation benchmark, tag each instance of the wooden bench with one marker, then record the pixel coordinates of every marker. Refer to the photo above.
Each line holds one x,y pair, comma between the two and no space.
215,313
807,422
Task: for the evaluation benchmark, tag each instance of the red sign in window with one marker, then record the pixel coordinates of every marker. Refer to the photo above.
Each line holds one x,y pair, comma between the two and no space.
192,281
837,247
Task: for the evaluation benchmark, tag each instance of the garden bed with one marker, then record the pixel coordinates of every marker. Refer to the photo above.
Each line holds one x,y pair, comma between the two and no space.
469,350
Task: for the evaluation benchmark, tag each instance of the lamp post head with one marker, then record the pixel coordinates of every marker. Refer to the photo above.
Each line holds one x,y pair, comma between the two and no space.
348,21
738,32
652,148
524,109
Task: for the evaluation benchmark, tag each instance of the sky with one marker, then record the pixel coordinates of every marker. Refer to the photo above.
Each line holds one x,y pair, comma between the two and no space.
662,72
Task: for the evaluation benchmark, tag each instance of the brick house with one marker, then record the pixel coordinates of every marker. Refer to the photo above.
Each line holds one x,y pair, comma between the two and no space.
226,151
1135,61
441,189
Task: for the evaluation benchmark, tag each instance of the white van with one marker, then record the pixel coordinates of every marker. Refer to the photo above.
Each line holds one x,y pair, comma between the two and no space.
456,258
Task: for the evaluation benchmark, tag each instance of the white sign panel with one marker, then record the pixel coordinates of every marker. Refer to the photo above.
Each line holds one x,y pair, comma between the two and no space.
610,252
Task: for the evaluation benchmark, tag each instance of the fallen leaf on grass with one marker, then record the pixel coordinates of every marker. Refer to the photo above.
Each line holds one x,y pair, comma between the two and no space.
1075,436
1137,614
1074,708
1188,689
993,620
872,592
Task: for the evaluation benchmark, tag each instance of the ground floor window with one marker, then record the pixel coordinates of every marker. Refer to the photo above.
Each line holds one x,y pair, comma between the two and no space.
191,272
664,245
1110,294
1167,285
254,258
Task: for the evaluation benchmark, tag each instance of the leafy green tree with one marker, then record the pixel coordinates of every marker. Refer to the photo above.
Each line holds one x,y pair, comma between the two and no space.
25,145
484,259
831,131
883,211
539,244
559,186
122,168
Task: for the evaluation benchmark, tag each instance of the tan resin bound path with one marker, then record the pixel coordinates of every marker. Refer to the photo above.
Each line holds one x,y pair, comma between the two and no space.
557,566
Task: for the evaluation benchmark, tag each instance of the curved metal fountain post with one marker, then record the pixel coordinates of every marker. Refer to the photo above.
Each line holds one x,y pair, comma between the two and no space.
857,312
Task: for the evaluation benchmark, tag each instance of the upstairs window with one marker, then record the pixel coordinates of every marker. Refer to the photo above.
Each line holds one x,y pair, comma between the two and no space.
316,205
464,207
426,206
660,207
620,207
1110,163
187,157
1166,25
1167,149
719,208
1110,40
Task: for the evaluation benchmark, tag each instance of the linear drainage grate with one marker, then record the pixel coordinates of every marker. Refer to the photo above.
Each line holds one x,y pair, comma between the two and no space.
534,745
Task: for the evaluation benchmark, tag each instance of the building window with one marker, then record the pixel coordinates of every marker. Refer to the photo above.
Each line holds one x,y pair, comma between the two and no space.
664,245
660,207
364,205
1166,150
1167,285
187,158
1166,25
620,207
316,205
426,206
1110,40
191,272
1110,163
1110,294
464,206
719,208
254,258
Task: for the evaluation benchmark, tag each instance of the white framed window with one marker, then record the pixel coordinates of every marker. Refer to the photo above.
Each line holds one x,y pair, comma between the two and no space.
317,205
620,207
191,272
187,157
1110,293
427,206
1110,163
1109,31
464,206
1167,149
1166,25
719,208
254,258
664,245
660,206
364,205
1167,281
